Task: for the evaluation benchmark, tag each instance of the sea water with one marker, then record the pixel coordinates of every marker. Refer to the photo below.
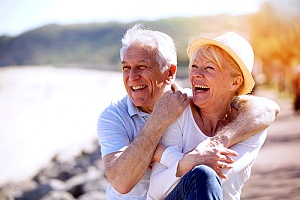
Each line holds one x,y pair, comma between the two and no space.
47,111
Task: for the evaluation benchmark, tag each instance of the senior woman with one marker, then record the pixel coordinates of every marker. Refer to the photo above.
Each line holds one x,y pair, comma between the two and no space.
220,71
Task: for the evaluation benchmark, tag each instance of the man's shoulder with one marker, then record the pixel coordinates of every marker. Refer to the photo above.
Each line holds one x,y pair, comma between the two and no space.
118,105
116,108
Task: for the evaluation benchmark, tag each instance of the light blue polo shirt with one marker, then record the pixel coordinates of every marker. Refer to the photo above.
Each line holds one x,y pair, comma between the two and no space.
117,126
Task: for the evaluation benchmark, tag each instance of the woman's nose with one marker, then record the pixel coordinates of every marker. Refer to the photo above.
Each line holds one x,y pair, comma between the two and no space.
198,73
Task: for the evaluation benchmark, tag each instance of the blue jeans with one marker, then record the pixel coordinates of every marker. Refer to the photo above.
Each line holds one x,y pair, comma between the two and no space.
202,182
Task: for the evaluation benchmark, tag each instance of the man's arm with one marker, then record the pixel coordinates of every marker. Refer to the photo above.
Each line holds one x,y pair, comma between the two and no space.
255,115
125,168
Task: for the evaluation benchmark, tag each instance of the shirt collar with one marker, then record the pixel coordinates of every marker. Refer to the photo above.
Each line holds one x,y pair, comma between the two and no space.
133,110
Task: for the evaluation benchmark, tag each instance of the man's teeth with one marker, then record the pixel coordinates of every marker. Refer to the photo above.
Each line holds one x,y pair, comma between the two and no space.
138,87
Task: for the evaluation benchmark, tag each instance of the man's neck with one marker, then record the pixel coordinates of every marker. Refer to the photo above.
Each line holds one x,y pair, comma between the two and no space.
147,109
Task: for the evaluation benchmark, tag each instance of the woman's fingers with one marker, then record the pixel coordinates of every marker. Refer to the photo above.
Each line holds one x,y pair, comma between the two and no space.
223,165
228,152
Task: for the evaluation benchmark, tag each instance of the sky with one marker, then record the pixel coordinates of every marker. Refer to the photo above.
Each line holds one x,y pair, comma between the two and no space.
18,16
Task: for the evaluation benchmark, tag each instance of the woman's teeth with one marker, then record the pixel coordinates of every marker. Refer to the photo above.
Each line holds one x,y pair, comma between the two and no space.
201,88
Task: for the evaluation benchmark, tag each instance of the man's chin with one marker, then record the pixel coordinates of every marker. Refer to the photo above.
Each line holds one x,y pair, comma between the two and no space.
139,102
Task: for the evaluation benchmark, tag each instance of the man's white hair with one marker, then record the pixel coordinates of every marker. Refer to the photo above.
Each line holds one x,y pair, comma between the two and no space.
155,41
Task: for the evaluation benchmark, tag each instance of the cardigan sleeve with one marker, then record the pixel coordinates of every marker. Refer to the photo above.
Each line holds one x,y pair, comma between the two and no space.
248,151
163,178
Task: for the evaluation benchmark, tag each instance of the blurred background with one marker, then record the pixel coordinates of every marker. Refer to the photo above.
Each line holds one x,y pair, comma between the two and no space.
60,67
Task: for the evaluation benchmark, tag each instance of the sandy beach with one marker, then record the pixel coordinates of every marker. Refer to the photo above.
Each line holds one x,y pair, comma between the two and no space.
46,111
276,171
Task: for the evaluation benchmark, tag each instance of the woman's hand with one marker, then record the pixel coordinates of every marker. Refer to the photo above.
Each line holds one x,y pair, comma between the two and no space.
215,156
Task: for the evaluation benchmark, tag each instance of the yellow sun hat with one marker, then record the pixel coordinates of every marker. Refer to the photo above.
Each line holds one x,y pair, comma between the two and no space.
237,47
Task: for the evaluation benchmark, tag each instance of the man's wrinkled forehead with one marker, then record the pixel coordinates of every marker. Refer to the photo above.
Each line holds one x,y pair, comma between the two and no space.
148,61
138,54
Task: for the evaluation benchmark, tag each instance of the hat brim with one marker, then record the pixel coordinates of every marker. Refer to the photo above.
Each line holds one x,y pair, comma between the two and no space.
195,44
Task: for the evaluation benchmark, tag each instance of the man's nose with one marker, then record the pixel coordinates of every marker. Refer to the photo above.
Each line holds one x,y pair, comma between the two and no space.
134,74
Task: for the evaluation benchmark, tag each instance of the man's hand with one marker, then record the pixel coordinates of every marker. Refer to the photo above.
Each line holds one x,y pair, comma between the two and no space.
125,169
206,153
169,107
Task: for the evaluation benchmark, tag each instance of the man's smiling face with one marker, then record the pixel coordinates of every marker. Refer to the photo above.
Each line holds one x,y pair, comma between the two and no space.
142,77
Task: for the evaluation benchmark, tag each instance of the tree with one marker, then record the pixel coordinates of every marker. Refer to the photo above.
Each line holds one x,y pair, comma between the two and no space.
275,33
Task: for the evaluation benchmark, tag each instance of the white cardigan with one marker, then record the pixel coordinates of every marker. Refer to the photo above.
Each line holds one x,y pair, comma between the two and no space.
183,136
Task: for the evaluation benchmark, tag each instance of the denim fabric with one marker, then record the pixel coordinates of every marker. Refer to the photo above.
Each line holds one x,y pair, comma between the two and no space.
201,183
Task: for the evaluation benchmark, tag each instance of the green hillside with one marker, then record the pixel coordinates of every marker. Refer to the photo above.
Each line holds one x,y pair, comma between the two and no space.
97,45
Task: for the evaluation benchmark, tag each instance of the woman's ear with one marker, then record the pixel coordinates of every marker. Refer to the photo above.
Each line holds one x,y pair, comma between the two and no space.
236,83
171,73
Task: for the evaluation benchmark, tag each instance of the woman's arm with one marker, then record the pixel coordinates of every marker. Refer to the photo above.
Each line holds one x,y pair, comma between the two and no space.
248,151
163,177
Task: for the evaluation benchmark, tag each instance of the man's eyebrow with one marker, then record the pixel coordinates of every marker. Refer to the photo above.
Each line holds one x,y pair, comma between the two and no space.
144,60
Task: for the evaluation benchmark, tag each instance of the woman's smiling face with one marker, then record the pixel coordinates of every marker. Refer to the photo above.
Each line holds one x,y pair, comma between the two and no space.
210,83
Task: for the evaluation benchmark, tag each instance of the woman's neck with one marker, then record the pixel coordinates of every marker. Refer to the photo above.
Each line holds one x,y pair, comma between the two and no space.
210,120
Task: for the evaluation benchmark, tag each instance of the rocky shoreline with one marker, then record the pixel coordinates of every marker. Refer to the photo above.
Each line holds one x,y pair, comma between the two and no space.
80,178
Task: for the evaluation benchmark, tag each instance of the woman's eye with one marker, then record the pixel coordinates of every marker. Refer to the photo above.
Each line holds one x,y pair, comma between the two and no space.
194,66
209,67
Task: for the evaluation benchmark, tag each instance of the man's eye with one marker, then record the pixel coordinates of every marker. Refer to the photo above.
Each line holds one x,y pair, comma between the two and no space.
125,68
142,66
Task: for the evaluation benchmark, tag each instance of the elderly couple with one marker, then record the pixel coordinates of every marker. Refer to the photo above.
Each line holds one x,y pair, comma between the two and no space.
165,142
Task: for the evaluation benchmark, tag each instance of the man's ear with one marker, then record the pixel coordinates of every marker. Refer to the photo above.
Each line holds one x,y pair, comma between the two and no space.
171,73
236,83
